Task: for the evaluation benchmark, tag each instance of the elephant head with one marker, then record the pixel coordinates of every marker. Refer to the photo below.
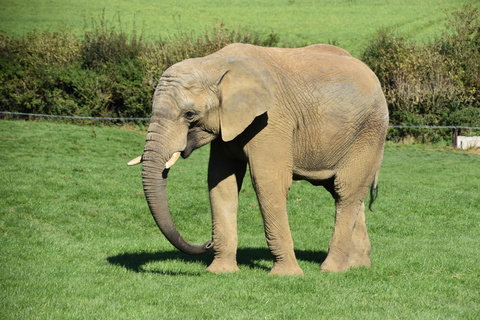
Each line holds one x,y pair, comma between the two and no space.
196,101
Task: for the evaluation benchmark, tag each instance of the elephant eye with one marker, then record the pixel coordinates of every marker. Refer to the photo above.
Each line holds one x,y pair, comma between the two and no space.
189,115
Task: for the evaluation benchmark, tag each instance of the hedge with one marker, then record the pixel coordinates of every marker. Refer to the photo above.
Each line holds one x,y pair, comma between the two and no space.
110,73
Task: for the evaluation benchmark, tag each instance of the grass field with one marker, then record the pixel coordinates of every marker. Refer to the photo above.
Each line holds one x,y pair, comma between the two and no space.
349,23
77,240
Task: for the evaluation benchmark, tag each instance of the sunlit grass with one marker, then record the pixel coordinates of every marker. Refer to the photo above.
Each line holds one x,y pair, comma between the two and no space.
351,24
77,240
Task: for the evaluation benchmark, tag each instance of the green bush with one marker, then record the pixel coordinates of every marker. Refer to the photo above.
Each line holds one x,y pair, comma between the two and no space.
111,73
107,73
157,57
437,83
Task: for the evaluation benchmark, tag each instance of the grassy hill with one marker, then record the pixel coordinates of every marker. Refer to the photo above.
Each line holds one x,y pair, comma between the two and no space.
349,23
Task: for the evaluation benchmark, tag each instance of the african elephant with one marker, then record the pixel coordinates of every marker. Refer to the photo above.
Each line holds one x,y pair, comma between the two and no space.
313,113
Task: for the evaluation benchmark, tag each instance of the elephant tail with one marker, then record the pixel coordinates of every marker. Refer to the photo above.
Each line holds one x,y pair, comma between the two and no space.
373,190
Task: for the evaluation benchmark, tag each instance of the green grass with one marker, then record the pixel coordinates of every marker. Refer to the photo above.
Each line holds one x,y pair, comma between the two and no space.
77,240
349,23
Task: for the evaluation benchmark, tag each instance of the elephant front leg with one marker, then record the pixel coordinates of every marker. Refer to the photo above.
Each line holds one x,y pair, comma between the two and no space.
272,198
225,176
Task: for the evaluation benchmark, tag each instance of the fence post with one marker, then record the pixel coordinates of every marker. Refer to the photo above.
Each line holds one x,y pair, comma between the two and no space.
454,137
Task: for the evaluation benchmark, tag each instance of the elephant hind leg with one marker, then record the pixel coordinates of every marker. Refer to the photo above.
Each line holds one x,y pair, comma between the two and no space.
339,249
360,248
350,245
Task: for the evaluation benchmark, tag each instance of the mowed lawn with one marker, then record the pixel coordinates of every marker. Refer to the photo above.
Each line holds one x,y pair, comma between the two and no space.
348,23
77,240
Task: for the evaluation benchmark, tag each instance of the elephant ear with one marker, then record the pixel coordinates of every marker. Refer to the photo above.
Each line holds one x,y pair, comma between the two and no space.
246,91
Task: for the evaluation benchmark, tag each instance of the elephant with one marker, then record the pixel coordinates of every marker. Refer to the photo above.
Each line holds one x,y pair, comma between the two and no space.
314,113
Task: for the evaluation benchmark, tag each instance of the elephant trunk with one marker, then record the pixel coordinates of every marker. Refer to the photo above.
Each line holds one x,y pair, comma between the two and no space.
154,178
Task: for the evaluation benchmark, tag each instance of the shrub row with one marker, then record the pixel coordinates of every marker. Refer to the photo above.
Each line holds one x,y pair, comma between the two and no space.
106,73
111,73
437,83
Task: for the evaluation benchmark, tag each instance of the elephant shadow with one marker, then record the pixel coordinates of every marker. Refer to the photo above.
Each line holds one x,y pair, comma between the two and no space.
253,258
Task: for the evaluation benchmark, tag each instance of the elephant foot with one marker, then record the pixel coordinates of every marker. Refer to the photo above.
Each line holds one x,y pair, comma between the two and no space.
359,255
357,261
286,270
329,265
222,267
353,262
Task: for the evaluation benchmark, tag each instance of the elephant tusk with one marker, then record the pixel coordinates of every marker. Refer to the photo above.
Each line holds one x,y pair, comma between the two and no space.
172,160
135,161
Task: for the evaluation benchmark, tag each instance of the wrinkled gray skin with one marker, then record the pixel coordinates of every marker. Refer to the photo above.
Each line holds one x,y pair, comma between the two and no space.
314,113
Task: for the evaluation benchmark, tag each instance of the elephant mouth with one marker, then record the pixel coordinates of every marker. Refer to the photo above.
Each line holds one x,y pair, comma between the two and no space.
186,153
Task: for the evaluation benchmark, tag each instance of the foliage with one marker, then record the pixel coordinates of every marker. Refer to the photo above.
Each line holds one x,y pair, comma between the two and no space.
107,73
159,56
78,242
437,83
